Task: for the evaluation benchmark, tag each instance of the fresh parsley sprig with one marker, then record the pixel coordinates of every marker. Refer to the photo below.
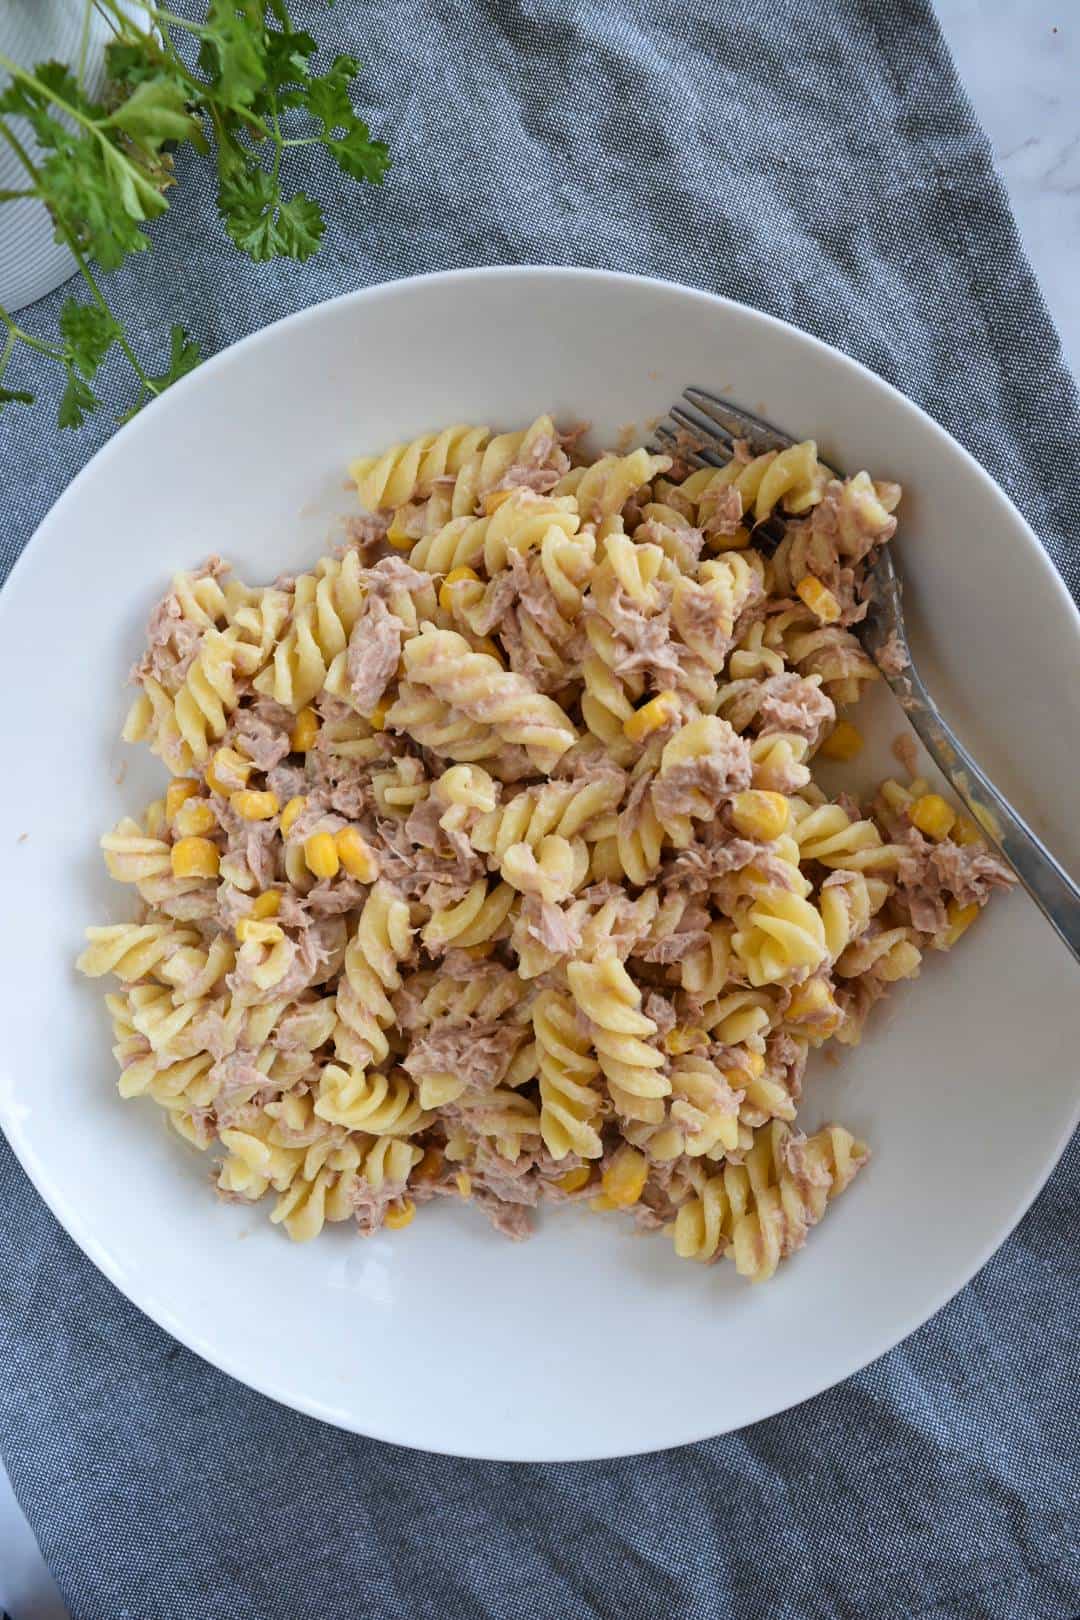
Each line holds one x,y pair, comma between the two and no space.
239,85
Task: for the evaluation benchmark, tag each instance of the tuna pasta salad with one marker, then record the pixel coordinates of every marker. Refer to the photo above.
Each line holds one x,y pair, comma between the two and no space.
492,866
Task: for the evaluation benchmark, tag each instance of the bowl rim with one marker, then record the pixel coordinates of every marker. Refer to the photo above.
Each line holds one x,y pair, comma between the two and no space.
69,1215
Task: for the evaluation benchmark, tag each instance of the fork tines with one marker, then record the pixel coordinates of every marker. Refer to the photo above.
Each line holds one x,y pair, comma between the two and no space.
702,429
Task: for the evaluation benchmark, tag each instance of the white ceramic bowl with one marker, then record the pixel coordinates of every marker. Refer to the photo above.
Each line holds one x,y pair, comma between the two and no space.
590,1340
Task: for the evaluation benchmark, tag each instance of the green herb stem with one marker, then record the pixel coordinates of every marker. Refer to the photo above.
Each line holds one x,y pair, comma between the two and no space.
84,42
20,152
102,303
18,334
88,275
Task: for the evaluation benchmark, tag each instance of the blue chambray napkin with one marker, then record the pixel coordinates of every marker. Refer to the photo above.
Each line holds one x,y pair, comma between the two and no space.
816,158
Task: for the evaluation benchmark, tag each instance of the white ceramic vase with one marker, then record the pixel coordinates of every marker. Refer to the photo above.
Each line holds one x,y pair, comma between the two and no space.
32,263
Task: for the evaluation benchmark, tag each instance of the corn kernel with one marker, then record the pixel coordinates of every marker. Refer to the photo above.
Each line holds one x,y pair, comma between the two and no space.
932,816
484,644
304,732
574,1180
184,787
266,905
454,577
494,499
601,1203
736,1077
321,855
966,831
399,1215
356,857
902,962
731,542
684,1038
398,536
758,814
813,1004
195,816
463,1183
843,742
819,599
960,919
814,996
624,1179
291,811
252,930
430,1165
377,718
222,770
254,806
658,712
194,857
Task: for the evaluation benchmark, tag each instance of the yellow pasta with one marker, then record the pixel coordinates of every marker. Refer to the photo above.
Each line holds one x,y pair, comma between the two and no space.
620,1032
370,970
476,685
571,1105
408,470
567,809
518,524
494,865
325,607
604,488
781,936
759,1212
380,1104
181,726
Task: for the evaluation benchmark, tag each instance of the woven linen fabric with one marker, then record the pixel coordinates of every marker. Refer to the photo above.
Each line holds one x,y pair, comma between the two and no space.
815,158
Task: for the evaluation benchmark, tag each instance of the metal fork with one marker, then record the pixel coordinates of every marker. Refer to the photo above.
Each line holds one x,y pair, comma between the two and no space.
710,426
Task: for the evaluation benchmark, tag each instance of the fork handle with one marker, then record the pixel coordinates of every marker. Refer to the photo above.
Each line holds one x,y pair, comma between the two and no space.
1048,884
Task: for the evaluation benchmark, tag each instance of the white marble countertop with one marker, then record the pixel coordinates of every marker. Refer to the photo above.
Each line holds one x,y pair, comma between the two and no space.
1020,61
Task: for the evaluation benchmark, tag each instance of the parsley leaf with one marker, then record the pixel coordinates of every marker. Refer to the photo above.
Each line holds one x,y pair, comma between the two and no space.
91,180
344,135
63,87
77,401
232,50
327,96
21,101
288,54
14,396
89,332
132,62
262,223
155,112
97,200
184,356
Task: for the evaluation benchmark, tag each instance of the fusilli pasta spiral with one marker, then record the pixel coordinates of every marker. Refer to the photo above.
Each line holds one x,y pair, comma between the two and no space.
500,871
571,1105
